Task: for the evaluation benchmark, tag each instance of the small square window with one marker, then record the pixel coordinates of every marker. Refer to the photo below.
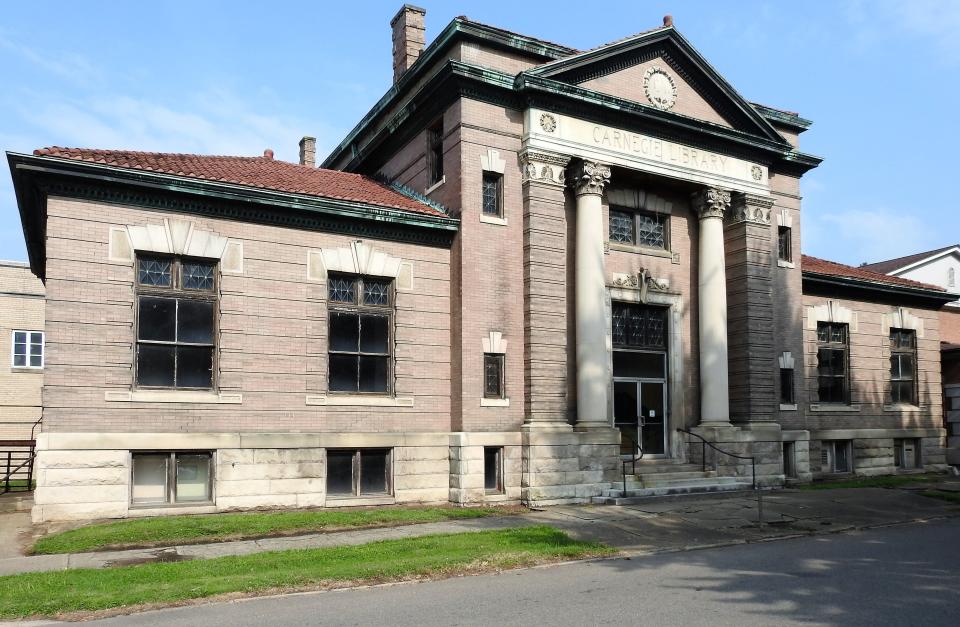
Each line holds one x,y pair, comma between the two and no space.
621,227
198,275
906,454
171,478
493,194
493,375
358,472
27,349
493,470
154,272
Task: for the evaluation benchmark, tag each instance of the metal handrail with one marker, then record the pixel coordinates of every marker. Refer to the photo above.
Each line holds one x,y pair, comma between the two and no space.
28,462
703,455
637,446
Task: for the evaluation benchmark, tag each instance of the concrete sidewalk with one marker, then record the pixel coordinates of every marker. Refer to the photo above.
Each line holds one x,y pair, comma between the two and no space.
664,524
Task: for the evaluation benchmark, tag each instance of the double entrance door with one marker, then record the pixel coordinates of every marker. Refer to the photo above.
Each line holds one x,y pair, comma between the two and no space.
639,411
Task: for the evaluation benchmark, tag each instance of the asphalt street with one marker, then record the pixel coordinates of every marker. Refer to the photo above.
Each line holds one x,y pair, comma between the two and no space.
907,575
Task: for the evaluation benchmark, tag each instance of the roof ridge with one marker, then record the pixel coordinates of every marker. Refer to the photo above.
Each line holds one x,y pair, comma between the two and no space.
910,256
860,273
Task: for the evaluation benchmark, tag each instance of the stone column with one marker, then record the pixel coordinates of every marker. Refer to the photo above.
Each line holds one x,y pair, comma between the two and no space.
545,306
588,180
711,203
750,248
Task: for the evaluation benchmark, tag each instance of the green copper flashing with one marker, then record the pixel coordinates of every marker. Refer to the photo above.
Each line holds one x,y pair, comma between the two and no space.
828,284
786,118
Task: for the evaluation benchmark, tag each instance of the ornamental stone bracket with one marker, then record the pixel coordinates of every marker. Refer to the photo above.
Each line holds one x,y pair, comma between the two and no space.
640,281
710,202
589,177
543,167
750,208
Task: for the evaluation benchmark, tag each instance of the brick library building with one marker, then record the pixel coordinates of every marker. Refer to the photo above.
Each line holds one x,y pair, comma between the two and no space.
530,274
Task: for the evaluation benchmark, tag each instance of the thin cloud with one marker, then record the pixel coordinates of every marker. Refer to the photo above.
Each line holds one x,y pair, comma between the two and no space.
866,235
71,66
874,22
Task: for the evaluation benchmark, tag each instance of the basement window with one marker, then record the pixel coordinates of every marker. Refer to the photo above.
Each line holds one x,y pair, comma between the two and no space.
906,454
836,456
493,469
358,472
172,478
790,460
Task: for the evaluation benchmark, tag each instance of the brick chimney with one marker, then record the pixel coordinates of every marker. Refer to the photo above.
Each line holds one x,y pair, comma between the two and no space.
409,37
308,151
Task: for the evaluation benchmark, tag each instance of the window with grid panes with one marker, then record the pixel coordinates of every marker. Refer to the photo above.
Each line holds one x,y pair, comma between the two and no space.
27,349
493,194
639,228
639,326
833,352
493,375
903,366
360,342
176,336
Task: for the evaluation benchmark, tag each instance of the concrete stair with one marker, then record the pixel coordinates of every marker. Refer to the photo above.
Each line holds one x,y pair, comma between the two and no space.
664,477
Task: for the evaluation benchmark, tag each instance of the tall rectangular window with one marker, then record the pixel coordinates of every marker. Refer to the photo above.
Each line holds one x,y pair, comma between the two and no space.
784,244
435,152
26,350
903,366
493,194
786,387
833,353
639,228
493,375
176,308
360,337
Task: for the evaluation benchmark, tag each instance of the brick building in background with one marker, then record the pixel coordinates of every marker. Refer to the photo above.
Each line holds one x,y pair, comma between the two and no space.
526,264
22,360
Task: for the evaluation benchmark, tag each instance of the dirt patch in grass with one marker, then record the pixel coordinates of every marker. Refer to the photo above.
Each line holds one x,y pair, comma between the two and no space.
144,533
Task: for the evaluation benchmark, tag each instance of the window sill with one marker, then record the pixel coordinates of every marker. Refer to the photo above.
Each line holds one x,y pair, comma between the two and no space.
788,407
360,400
359,501
785,264
833,407
173,396
26,369
494,402
431,188
641,250
493,220
902,408
206,507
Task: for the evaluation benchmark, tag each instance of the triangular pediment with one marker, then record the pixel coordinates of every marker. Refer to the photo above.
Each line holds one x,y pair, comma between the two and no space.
660,69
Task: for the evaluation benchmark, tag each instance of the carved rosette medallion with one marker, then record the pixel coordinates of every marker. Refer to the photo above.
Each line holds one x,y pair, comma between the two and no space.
750,208
548,123
542,167
711,202
659,87
589,177
756,172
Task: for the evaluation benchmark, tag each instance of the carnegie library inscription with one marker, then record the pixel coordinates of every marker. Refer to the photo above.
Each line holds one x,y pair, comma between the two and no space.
576,137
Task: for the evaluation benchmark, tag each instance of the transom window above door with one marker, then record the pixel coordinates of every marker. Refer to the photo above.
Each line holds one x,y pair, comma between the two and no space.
639,228
639,326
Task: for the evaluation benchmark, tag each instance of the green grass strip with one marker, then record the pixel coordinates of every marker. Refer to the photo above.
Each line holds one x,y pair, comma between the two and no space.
84,590
145,532
951,497
886,481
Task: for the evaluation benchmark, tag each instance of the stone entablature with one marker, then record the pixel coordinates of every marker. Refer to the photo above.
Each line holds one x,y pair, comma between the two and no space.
563,134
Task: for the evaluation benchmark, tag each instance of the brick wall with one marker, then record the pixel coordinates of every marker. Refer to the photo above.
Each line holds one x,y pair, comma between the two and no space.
21,308
272,333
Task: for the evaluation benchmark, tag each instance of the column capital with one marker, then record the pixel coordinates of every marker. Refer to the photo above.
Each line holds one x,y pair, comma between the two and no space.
710,202
543,167
589,177
751,208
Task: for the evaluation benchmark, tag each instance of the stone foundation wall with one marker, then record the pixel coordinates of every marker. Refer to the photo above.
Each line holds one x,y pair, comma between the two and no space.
873,450
762,441
951,400
568,467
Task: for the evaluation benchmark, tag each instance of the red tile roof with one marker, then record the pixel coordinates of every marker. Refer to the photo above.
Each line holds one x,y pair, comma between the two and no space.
891,265
832,268
259,172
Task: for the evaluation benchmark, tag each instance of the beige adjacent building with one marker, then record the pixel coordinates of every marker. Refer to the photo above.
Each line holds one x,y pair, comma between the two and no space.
530,273
22,360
